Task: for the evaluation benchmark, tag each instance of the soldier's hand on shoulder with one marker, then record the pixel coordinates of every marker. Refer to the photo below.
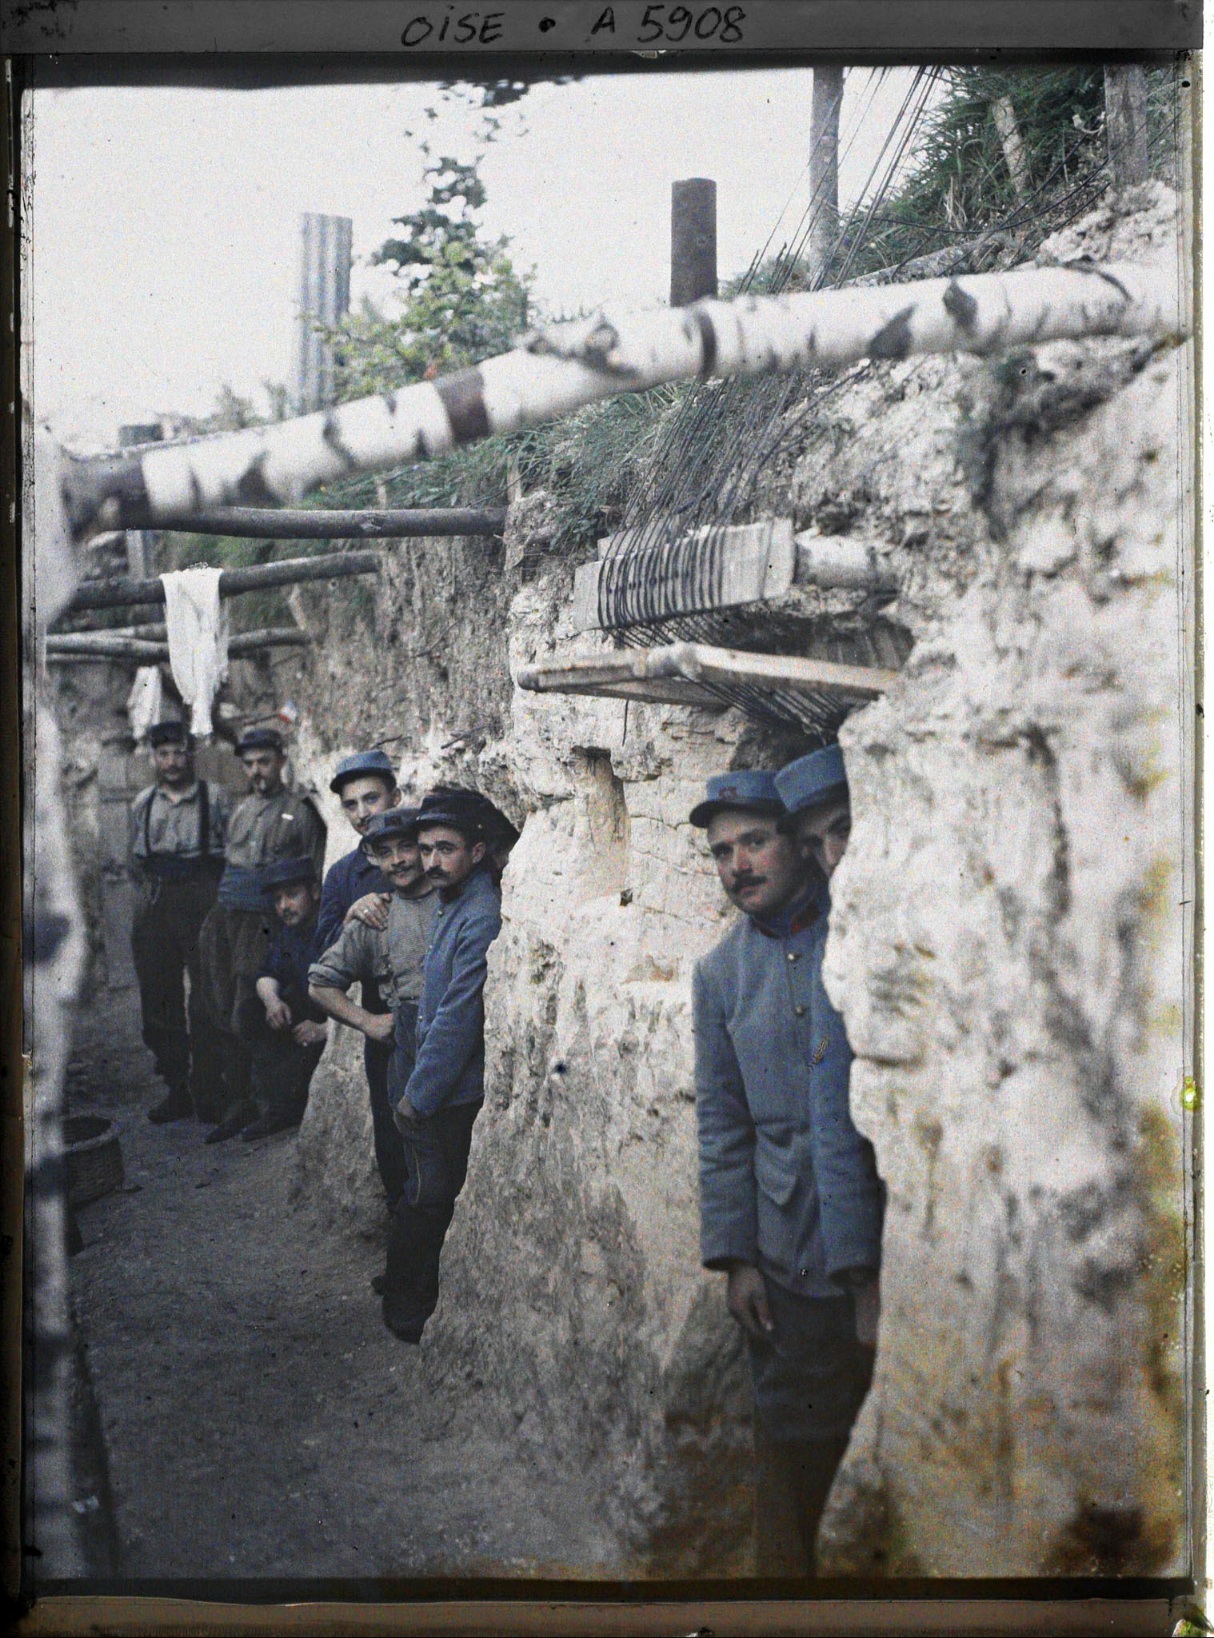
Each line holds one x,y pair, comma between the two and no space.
746,1297
372,909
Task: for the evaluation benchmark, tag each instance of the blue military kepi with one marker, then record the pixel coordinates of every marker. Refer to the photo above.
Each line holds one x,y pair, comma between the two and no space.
284,872
391,822
361,764
751,788
168,733
259,739
812,779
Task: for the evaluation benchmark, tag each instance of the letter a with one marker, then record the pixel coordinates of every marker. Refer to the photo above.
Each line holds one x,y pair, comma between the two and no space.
607,20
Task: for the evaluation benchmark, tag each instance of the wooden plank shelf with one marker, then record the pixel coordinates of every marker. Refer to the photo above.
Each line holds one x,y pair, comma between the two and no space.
677,675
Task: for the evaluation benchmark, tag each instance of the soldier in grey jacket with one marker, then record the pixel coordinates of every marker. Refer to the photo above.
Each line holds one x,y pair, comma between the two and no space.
791,1206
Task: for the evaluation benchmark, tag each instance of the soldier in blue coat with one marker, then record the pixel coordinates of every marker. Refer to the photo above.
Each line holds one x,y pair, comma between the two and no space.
282,1029
355,889
791,1205
445,1086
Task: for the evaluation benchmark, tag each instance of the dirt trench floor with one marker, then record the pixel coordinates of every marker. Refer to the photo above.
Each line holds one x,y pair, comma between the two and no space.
258,1420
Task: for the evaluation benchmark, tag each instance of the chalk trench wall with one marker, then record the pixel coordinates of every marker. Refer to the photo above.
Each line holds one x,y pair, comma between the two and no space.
1008,949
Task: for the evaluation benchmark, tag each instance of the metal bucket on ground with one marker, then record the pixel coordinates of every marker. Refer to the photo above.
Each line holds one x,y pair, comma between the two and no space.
92,1158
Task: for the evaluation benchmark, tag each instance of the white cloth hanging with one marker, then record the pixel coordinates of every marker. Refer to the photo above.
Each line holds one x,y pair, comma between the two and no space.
145,701
197,624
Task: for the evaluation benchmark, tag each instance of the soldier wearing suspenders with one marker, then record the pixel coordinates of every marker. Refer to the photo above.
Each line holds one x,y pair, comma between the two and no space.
177,844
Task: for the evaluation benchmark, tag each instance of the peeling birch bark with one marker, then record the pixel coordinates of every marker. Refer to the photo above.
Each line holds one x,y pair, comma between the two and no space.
565,367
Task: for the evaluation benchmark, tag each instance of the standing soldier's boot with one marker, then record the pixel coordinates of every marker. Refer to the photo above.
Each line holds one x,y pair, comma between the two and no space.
177,1106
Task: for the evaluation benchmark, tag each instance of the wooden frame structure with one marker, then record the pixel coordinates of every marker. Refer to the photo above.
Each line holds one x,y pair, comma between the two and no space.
676,675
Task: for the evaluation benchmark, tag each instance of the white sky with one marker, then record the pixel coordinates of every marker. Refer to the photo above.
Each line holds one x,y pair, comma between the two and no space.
166,222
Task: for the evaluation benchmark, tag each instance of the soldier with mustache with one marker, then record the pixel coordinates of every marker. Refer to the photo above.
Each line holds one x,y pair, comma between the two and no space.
791,1205
439,1100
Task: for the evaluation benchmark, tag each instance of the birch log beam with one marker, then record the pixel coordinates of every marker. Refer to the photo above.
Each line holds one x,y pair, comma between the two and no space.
564,367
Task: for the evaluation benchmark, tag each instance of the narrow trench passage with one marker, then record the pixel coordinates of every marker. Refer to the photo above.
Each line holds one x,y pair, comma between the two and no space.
258,1419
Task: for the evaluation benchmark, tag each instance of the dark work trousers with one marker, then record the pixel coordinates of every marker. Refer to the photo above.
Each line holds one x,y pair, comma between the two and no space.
377,1056
164,946
792,1481
436,1163
233,946
280,1070
809,1379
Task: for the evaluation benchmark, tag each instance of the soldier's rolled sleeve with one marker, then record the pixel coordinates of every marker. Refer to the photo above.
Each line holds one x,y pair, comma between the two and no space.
728,1210
344,962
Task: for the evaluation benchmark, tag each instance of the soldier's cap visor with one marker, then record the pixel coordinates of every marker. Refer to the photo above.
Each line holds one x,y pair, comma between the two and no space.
286,873
704,813
259,739
392,822
364,765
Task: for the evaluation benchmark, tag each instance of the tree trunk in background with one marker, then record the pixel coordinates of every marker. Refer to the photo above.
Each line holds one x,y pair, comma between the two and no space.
1125,114
1004,116
824,170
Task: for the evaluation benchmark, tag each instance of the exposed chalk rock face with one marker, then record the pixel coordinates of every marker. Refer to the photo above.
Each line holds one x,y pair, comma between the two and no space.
1007,948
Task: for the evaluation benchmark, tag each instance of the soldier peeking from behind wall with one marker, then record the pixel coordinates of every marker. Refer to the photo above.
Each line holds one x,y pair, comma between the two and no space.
791,1205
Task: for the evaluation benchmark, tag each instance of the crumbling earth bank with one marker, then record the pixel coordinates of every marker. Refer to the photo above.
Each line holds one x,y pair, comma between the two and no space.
1007,947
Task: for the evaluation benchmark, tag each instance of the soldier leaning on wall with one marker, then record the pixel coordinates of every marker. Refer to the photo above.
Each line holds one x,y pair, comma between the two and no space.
177,839
355,890
791,1205
438,1103
271,822
386,962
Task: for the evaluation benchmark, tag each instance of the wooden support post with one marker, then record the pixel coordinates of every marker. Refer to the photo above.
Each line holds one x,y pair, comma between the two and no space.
139,542
1004,116
1125,123
824,169
693,240
324,297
